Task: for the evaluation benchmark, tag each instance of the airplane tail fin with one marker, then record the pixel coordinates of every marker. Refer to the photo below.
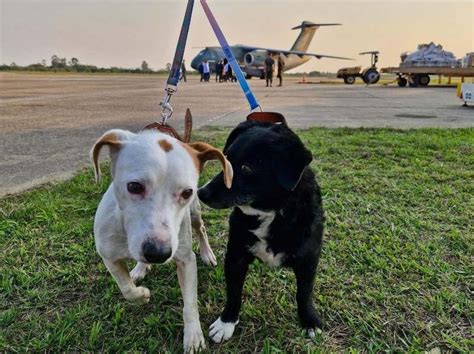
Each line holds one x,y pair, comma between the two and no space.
308,29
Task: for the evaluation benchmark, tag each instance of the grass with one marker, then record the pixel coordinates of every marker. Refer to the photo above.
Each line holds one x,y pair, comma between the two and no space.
396,273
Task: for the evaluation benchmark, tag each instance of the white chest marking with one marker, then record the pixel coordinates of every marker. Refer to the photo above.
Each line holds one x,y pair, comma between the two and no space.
260,248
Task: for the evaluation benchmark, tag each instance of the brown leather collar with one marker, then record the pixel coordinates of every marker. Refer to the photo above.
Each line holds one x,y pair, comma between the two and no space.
168,129
262,117
267,117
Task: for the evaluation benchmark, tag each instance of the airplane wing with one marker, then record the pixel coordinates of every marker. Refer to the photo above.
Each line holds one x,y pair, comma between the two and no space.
296,52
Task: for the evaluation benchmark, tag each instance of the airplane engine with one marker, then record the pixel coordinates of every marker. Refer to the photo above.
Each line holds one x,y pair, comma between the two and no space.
256,58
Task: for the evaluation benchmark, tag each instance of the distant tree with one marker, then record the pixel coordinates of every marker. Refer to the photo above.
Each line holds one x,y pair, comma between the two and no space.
314,73
36,67
145,67
58,63
55,61
62,64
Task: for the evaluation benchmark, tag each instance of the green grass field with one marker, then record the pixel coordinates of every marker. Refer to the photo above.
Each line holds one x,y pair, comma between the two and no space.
396,272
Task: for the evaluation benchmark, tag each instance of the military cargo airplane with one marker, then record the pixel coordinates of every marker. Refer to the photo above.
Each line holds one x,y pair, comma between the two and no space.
251,59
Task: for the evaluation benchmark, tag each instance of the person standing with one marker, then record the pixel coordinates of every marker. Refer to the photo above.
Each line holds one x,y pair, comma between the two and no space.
230,74
206,71
201,72
269,67
183,71
219,68
225,70
280,69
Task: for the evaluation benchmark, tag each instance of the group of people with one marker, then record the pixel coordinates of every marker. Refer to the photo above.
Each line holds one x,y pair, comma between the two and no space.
270,69
224,70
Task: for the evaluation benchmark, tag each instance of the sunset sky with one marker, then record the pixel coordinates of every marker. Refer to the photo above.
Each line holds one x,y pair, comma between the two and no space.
124,33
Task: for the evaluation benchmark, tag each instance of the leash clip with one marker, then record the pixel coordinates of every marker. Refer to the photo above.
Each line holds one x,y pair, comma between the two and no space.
167,110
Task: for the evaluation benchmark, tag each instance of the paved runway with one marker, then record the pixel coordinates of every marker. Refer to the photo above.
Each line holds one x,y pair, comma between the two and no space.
48,122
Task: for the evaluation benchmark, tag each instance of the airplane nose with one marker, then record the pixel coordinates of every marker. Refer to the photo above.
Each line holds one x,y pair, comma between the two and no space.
195,63
154,253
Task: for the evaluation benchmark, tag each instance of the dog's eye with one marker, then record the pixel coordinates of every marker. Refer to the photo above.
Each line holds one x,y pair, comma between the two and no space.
135,188
187,193
246,171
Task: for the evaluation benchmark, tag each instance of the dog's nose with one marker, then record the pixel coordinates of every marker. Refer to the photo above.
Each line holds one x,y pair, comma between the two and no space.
156,253
203,194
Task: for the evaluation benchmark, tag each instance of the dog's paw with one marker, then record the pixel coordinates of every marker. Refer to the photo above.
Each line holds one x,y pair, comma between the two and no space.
193,339
312,323
208,256
312,332
139,272
139,295
221,331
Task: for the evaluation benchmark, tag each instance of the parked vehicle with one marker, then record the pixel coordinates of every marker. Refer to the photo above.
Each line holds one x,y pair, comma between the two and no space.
430,59
369,75
420,75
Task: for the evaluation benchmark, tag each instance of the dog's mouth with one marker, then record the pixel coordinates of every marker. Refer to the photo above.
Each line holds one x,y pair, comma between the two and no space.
217,205
226,203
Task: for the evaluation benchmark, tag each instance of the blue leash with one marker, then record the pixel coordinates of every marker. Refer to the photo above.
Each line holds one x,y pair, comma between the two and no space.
231,58
173,78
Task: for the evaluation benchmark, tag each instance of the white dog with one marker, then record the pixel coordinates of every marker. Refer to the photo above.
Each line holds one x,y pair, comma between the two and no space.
148,212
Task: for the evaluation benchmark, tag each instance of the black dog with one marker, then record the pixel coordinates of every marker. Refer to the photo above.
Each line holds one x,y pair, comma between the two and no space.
278,215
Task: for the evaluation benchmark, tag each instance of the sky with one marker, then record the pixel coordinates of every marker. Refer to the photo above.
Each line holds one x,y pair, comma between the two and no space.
124,33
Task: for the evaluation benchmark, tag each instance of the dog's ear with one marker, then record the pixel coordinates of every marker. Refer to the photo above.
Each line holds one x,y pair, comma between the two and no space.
289,164
113,139
205,152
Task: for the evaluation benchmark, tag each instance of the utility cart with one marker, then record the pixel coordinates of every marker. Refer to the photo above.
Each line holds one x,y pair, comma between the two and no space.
369,75
416,76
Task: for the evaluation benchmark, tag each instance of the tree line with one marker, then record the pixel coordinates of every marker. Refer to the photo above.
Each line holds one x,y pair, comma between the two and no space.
58,64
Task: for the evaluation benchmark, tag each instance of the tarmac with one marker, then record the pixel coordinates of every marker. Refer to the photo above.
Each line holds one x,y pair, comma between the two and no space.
49,122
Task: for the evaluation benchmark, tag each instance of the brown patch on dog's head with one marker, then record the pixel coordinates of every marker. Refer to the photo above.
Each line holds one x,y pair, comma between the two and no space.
165,145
